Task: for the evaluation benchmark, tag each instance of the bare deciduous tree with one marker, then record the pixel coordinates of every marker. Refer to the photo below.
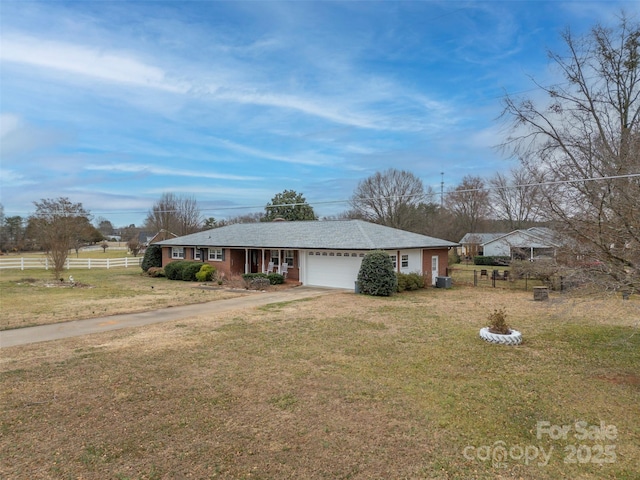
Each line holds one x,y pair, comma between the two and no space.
590,129
515,197
389,198
469,203
175,214
247,218
58,225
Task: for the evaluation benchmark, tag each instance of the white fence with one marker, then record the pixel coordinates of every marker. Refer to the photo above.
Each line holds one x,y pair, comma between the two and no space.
23,263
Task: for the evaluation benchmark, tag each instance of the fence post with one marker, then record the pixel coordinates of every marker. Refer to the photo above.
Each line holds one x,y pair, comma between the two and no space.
126,263
475,278
68,263
107,264
89,264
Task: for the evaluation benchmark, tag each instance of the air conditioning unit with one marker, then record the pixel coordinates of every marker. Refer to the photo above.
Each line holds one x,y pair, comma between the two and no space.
443,282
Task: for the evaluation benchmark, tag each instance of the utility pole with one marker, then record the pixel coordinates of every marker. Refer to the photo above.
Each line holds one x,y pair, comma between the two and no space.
441,189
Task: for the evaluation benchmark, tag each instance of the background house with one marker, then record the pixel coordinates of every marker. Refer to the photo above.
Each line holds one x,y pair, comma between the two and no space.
319,253
531,244
472,244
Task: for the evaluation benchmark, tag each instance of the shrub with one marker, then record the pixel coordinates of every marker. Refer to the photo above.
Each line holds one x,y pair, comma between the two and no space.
259,283
190,270
206,273
453,257
543,270
491,260
498,322
173,270
182,270
376,275
152,257
156,272
273,278
410,281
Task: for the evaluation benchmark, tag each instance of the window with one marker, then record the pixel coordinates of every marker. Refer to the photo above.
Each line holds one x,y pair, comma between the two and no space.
405,261
197,254
394,260
288,257
275,257
177,252
215,254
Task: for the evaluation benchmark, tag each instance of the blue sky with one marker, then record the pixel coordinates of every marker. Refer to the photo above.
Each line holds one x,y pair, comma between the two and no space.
112,103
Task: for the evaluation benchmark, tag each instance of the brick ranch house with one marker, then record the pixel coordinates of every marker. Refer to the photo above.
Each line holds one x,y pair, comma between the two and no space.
317,253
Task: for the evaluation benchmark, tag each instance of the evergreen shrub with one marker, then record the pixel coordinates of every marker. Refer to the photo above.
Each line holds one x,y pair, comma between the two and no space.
152,257
377,275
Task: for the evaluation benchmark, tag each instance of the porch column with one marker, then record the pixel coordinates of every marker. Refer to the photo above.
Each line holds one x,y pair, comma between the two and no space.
246,260
531,258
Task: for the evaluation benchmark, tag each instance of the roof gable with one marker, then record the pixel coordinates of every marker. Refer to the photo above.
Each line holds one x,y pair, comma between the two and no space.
480,238
332,234
532,235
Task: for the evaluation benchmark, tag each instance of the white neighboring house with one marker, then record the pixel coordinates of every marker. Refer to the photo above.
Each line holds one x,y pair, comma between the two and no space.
531,244
472,244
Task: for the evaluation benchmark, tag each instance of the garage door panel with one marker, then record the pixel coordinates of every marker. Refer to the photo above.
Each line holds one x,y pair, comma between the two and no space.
333,269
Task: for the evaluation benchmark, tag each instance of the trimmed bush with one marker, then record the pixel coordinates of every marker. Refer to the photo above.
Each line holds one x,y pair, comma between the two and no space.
190,270
259,283
182,270
152,258
173,270
273,278
206,273
493,261
410,281
376,275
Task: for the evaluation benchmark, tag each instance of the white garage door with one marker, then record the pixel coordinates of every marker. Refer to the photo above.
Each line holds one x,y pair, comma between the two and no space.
338,269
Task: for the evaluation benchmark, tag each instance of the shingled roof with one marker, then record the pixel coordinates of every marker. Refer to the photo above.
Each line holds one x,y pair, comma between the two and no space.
320,235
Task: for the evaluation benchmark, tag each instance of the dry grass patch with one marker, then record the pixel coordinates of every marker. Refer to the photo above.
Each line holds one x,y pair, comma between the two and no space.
340,386
36,298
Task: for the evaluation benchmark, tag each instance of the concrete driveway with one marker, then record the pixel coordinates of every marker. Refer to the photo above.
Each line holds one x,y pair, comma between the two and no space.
44,333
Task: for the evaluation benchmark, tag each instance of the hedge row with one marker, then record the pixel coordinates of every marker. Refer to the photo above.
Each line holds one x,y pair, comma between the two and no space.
409,281
188,271
274,278
493,261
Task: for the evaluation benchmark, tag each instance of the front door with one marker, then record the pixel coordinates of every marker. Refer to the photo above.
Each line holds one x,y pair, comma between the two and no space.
255,261
434,269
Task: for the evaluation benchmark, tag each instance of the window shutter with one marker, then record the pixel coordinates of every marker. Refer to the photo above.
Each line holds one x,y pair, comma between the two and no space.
223,253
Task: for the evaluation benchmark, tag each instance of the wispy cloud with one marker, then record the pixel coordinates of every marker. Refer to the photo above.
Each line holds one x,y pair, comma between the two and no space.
83,60
259,153
165,171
